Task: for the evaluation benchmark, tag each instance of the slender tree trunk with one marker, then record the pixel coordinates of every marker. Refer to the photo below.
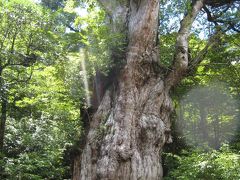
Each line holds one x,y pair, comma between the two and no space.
3,116
193,126
203,125
216,129
180,120
3,122
131,125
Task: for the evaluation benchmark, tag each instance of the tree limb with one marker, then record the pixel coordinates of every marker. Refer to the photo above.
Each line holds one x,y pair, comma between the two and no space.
112,6
107,5
72,28
215,19
180,63
218,3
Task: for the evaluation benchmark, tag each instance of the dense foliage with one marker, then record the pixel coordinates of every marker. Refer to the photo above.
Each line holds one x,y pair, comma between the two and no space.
43,48
222,164
42,116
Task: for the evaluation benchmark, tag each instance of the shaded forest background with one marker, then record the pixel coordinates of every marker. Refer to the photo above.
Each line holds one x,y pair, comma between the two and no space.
55,54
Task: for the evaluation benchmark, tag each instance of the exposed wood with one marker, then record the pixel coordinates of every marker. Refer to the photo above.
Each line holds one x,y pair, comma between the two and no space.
142,27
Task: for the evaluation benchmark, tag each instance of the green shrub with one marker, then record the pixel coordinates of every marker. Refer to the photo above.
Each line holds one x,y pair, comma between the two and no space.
35,166
222,164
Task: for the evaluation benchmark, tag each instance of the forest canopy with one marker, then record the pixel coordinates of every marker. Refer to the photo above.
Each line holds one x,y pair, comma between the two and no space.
93,88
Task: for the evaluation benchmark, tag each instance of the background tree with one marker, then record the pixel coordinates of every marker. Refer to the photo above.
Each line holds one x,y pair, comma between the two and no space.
32,137
25,39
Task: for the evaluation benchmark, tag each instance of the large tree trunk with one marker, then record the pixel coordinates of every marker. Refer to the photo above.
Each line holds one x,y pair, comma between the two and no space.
132,123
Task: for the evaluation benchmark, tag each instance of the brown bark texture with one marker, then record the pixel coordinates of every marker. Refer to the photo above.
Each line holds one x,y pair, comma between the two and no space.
132,123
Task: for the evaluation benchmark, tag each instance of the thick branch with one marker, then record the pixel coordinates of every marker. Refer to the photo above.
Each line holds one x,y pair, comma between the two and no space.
180,64
109,5
116,9
142,27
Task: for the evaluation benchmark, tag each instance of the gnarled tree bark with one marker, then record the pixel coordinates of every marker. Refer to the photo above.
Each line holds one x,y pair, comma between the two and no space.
132,123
